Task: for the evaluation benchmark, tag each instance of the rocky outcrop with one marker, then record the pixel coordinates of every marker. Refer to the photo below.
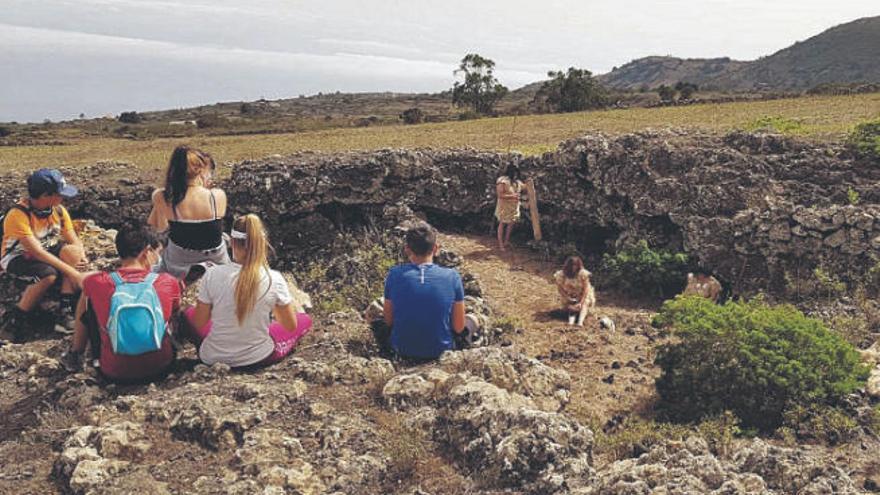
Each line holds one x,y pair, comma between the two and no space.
689,467
753,209
111,193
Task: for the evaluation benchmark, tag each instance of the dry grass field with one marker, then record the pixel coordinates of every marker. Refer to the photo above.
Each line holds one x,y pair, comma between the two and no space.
824,118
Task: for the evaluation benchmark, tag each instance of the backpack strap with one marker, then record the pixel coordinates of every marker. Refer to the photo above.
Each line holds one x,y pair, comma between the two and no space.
151,277
117,280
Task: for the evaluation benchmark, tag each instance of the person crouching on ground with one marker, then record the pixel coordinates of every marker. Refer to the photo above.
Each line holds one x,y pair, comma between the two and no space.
575,290
40,245
139,249
424,303
231,321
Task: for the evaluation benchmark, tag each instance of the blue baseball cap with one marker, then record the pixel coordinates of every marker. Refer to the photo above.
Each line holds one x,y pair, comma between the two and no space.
49,181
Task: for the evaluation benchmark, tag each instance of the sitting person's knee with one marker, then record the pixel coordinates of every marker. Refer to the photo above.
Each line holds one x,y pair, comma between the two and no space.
72,254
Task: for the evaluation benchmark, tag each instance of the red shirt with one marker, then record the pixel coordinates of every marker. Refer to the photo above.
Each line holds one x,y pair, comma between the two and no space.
99,289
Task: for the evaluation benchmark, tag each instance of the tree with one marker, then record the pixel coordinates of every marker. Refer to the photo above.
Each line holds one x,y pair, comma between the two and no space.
686,90
479,88
571,91
129,117
667,94
413,115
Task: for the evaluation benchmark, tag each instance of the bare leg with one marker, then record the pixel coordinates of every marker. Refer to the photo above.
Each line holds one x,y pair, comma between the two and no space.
72,255
585,310
507,234
34,293
501,236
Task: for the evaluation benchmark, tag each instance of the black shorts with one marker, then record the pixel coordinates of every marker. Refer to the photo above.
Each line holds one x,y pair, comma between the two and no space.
33,271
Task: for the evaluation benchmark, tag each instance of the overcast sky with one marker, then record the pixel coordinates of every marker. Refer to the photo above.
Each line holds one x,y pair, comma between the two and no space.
60,58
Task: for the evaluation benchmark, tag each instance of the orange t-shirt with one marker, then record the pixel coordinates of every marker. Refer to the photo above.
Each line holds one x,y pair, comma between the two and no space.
19,224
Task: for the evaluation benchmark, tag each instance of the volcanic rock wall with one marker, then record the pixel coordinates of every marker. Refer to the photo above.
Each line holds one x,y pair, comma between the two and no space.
753,209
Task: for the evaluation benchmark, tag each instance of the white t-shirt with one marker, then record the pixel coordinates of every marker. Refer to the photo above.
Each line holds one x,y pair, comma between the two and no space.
229,342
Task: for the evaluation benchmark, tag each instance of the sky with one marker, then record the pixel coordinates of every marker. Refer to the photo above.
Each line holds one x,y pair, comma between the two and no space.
60,58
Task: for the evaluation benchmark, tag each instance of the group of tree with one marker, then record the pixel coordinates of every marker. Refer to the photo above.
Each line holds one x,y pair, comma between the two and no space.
684,91
479,89
572,91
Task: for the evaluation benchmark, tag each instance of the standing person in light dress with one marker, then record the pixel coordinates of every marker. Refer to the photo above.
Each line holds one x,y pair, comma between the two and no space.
507,189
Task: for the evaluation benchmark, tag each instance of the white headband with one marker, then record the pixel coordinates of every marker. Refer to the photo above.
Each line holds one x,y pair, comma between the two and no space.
236,234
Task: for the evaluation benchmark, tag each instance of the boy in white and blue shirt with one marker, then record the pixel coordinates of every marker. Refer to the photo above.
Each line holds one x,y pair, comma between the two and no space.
424,302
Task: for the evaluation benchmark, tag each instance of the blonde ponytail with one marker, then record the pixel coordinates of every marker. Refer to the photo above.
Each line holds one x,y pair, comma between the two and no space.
253,265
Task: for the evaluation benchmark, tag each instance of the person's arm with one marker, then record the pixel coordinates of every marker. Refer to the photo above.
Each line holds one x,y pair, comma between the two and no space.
157,218
80,331
387,305
585,281
388,312
202,315
504,191
67,231
285,315
458,317
220,198
33,247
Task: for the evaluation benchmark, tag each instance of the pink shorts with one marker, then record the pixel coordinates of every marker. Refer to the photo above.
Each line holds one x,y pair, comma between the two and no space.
284,340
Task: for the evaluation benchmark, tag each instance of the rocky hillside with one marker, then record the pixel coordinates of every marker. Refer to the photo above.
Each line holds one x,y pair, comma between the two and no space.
842,54
652,72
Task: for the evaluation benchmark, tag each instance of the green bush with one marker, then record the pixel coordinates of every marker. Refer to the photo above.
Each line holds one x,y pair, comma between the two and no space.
780,125
865,139
640,270
755,360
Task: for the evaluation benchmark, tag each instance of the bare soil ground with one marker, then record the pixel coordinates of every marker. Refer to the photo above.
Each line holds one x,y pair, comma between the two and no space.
612,372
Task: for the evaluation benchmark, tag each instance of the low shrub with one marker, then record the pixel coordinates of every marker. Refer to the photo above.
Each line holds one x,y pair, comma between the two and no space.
755,360
353,275
865,139
830,425
129,117
413,115
779,125
640,270
636,436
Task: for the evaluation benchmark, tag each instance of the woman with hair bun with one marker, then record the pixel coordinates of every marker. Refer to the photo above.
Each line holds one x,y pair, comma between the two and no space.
192,212
231,321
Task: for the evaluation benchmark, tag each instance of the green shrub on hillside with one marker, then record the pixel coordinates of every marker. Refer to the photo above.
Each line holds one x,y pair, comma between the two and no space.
640,270
755,360
775,124
865,139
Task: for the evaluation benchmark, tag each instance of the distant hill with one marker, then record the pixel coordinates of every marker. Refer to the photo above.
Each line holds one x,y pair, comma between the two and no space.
651,72
846,53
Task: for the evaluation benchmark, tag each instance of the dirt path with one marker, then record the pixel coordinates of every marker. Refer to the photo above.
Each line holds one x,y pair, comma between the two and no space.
612,373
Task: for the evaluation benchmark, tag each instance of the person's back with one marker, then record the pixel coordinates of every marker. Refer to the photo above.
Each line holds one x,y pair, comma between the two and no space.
192,212
138,249
423,296
231,322
230,341
424,303
99,288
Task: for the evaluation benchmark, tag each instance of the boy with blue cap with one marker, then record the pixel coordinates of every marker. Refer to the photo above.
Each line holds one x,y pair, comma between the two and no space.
40,245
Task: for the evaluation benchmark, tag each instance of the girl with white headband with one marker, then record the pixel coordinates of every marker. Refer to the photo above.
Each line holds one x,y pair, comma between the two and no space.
231,321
